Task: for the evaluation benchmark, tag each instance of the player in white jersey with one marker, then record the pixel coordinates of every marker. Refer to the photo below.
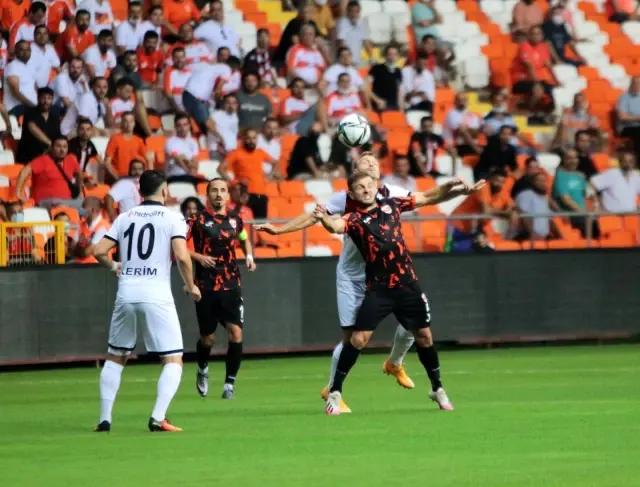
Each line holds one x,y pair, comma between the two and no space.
146,236
350,278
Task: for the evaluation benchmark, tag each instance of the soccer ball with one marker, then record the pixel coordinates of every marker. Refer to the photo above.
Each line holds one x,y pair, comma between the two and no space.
354,130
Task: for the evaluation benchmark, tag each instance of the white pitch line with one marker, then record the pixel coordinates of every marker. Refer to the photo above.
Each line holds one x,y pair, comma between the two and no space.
37,382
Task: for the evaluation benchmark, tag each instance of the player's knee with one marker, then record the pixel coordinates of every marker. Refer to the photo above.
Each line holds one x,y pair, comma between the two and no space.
346,338
424,337
235,334
209,340
359,339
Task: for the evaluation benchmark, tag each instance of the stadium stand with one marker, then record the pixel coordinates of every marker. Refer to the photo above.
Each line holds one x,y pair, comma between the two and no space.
470,47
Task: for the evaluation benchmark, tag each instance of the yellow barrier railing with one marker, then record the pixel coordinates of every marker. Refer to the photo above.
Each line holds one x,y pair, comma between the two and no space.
23,244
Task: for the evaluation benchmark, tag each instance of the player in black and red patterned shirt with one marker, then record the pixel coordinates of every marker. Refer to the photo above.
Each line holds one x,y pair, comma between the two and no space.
391,282
213,233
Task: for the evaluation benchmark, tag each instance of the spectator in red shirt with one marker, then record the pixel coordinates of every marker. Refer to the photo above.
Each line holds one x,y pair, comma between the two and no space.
56,178
21,244
76,38
532,65
150,59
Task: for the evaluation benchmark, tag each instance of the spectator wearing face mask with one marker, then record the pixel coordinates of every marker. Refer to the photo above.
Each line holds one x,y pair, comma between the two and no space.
574,120
21,244
385,80
559,39
423,147
125,193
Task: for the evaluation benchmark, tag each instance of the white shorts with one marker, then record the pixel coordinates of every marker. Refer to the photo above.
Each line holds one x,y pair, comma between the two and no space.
160,328
350,297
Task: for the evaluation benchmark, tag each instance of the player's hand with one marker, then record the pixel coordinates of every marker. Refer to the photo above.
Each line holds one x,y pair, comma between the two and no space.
475,187
319,212
266,228
193,292
207,262
251,265
117,268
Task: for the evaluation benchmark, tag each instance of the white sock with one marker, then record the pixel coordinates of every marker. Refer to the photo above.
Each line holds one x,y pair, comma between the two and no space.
109,385
168,384
402,342
334,362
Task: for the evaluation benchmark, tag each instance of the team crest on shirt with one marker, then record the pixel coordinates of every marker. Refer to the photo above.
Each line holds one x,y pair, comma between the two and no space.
233,224
208,224
367,220
386,209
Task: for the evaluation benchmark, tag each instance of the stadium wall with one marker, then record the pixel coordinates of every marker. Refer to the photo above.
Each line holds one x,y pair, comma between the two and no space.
62,313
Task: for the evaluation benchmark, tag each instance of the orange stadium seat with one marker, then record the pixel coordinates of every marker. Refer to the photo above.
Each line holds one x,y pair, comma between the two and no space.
291,189
340,184
425,183
393,119
11,171
610,224
99,191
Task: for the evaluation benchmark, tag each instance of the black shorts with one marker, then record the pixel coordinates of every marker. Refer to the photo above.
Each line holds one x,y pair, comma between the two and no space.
409,305
223,307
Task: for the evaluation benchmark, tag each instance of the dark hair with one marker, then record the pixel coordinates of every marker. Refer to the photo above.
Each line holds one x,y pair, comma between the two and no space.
246,74
76,58
427,37
37,7
135,161
233,62
105,34
422,55
390,46
40,27
497,171
342,75
83,121
180,116
355,177
134,3
45,90
191,199
294,81
23,42
56,139
342,49
151,34
154,8
124,82
269,119
502,127
127,114
222,48
215,180
530,161
177,49
262,31
579,133
426,118
129,53
82,12
229,95
61,213
94,81
150,182
353,3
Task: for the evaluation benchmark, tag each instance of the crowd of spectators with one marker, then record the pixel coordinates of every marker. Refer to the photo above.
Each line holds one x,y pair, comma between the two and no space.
92,79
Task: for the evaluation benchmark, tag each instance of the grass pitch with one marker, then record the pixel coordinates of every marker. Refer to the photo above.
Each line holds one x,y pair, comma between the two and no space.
525,417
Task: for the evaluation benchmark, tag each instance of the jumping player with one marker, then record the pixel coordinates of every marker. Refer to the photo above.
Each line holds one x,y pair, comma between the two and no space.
214,233
391,282
146,235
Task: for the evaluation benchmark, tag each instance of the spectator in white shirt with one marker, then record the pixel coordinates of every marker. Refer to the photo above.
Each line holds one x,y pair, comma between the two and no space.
20,82
224,138
92,106
269,142
353,32
305,60
69,84
125,192
461,128
100,59
216,33
419,85
155,23
181,150
234,81
44,57
101,14
124,101
129,33
619,187
344,65
176,78
202,88
401,177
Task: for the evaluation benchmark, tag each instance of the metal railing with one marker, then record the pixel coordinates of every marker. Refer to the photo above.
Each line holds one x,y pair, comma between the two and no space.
28,243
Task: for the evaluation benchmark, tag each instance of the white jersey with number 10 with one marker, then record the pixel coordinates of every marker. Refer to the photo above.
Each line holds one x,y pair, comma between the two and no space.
144,236
351,264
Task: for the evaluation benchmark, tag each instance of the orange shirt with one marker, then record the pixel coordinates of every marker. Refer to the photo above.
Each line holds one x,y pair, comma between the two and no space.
473,205
123,150
72,37
538,55
91,235
150,65
58,11
12,12
178,13
247,166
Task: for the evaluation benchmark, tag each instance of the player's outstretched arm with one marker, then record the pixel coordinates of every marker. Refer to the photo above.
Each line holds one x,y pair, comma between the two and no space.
101,253
300,222
247,248
332,225
449,190
183,259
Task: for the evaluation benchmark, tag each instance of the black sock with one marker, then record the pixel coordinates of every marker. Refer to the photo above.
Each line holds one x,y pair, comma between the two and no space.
429,359
347,360
234,357
203,353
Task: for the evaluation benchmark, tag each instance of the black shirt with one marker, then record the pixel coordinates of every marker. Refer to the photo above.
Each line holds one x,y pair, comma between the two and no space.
586,165
385,84
306,146
286,40
427,144
521,185
84,155
341,155
215,236
378,236
557,35
29,146
495,155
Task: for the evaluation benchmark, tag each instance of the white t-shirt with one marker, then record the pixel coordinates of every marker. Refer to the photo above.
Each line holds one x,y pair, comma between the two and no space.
455,119
177,146
353,36
126,192
217,36
129,36
227,126
350,263
423,82
86,106
101,15
43,62
64,87
100,63
203,80
144,235
334,71
26,83
271,147
119,107
148,26
618,193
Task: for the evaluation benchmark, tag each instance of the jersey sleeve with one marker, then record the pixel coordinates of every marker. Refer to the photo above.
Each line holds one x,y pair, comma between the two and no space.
404,204
114,232
337,203
178,227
